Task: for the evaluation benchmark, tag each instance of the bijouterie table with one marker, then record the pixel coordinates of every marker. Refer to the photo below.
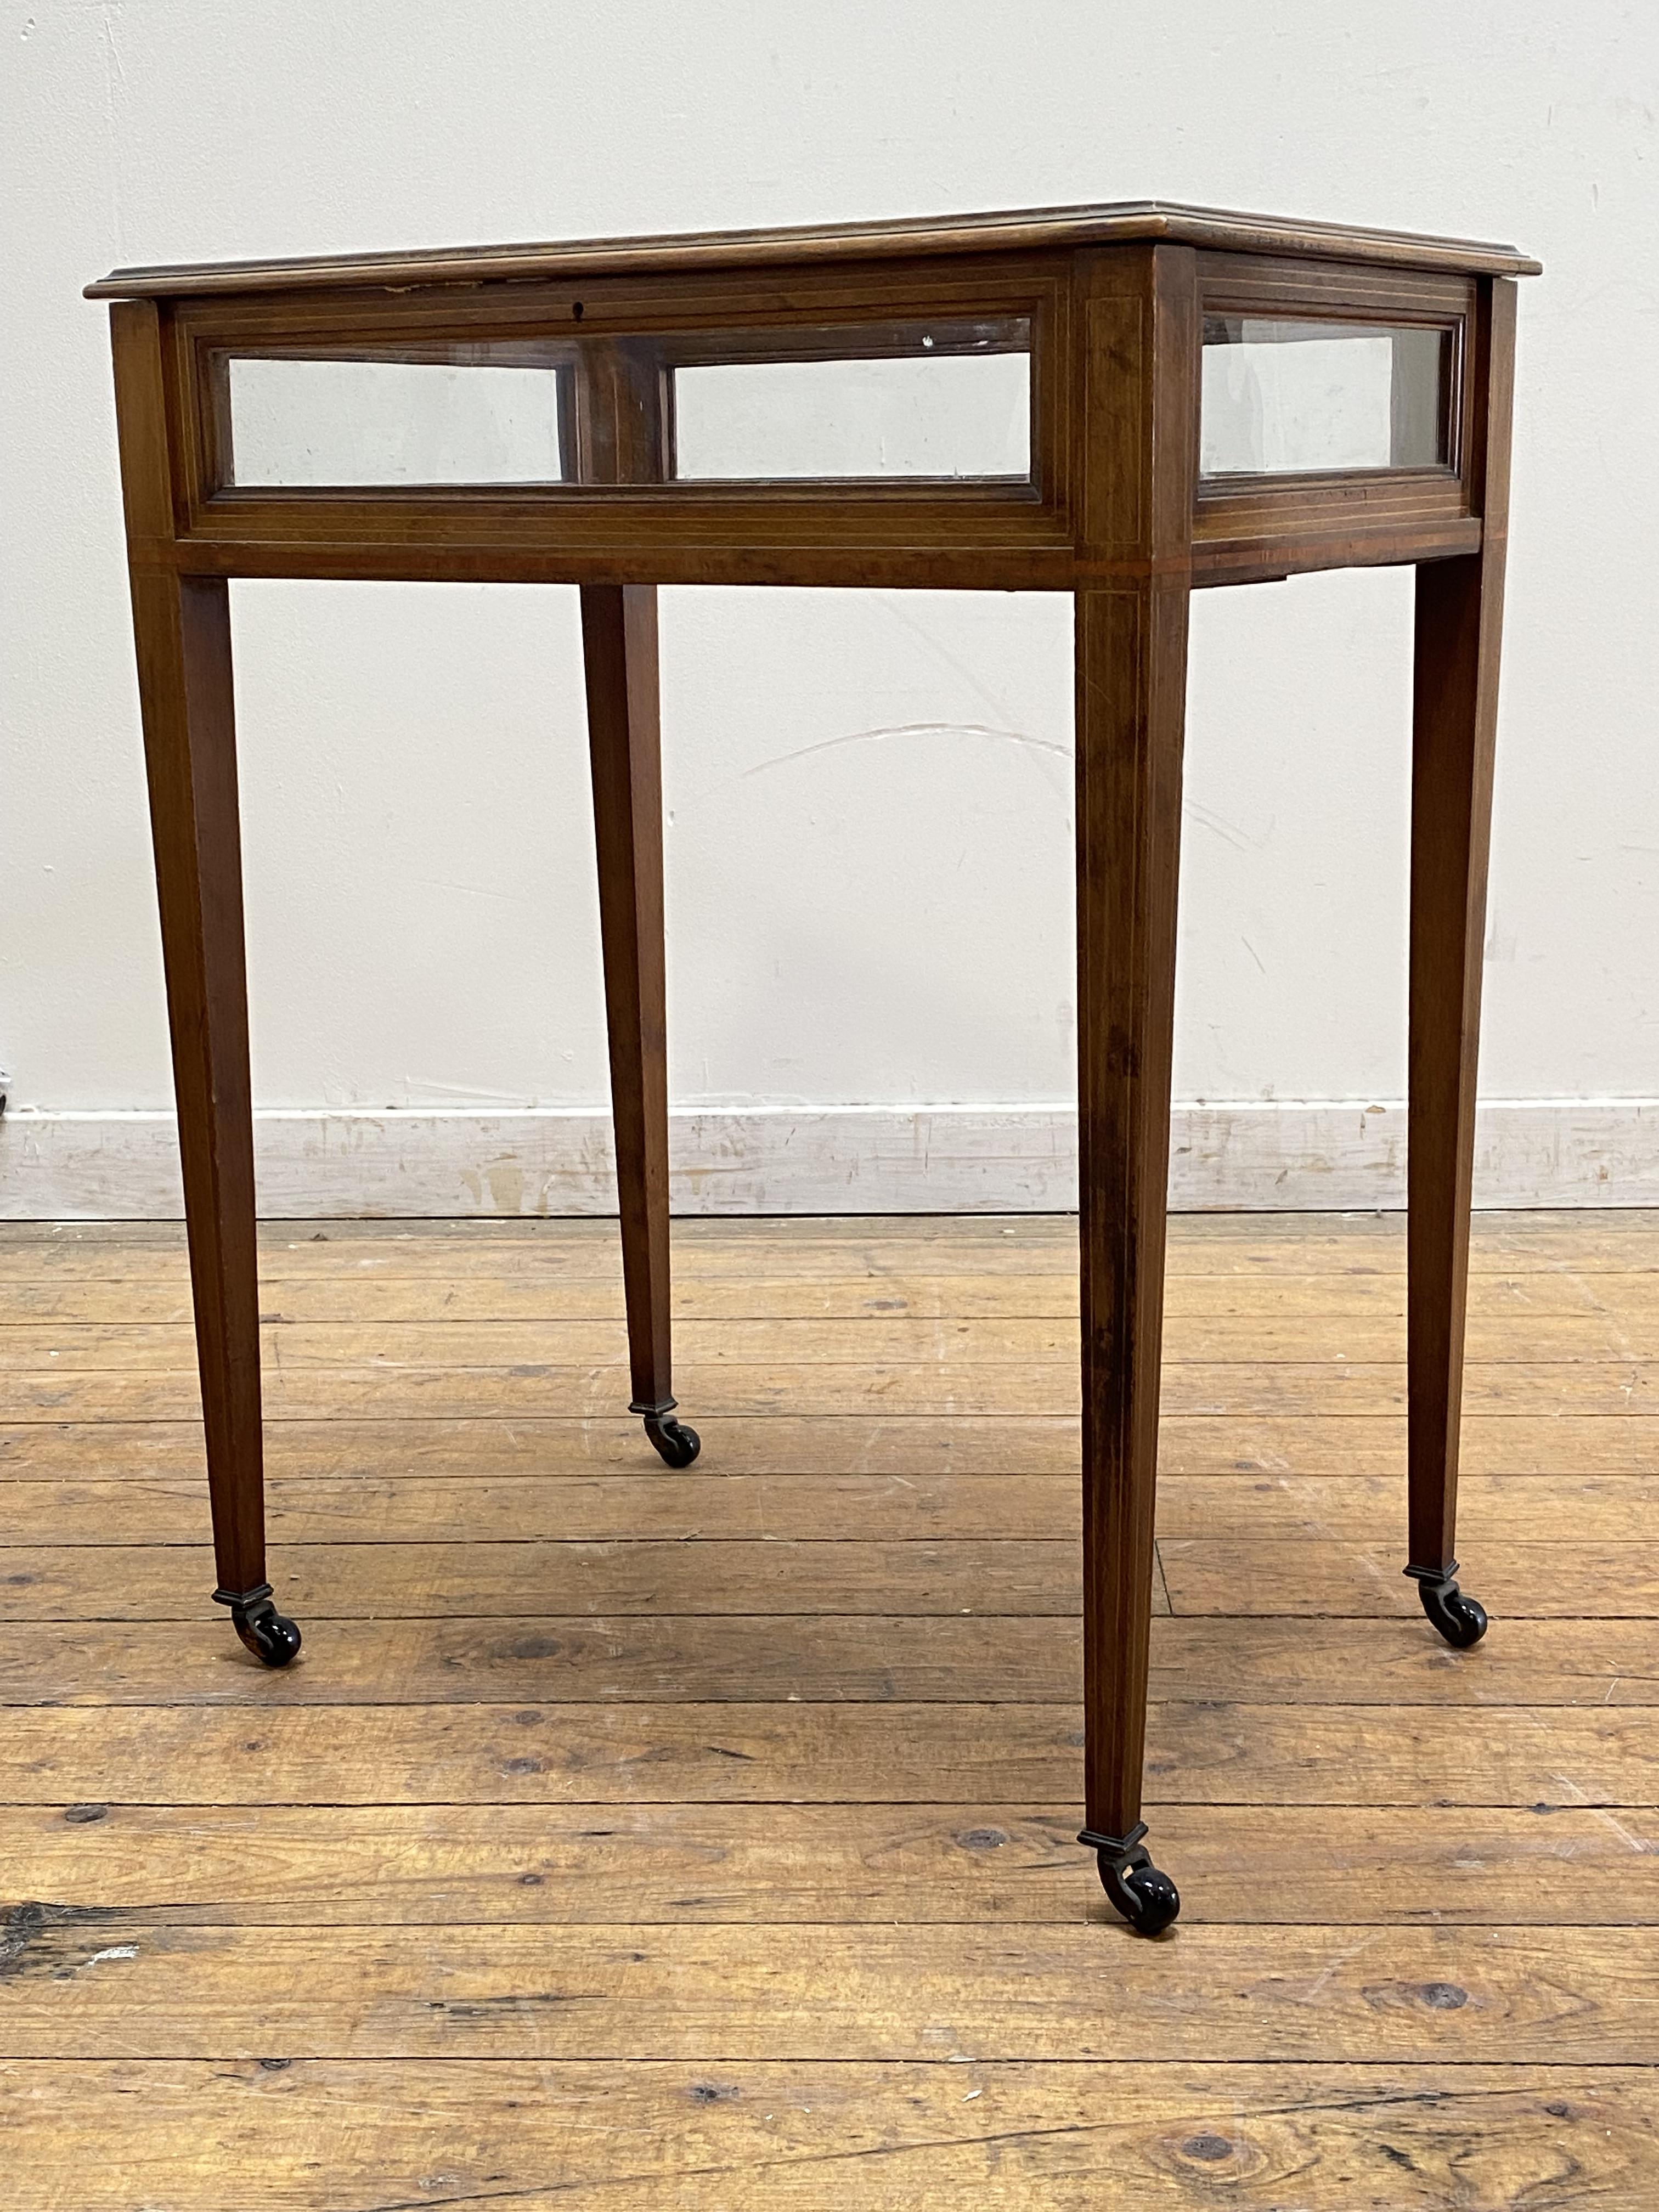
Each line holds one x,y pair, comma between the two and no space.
1125,403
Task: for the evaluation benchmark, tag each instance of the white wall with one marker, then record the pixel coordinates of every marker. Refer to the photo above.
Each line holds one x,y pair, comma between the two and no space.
869,797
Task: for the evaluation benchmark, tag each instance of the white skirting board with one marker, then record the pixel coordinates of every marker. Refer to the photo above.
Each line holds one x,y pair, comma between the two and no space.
1308,1155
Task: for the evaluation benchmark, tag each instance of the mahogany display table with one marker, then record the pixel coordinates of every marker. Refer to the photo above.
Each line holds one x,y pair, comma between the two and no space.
1124,403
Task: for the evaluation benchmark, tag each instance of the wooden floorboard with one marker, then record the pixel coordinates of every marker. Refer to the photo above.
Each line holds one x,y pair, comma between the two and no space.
1565,1446
666,1862
959,1389
626,1839
132,1505
1540,1759
744,1990
367,2136
1262,1659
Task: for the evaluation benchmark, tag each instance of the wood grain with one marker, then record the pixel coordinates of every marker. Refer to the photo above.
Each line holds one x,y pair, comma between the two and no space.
1322,1310
567,1505
367,2136
1562,1447
1542,1759
181,632
817,1657
641,1908
1458,641
695,1576
452,1340
999,1864
762,1250
808,1388
959,1575
1523,1995
1116,222
626,431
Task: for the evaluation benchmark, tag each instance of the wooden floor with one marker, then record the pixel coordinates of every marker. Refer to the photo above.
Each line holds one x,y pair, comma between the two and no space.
632,1839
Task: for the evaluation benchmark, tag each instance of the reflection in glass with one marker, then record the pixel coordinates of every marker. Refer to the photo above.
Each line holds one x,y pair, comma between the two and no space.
919,401
1288,396
305,421
935,409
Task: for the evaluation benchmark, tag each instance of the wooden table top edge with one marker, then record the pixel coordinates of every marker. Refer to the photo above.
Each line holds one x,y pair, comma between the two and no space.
1020,229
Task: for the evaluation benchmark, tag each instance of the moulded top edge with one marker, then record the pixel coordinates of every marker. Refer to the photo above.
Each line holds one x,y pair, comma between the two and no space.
1017,229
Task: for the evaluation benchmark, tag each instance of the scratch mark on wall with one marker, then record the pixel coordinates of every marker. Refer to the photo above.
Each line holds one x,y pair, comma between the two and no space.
1229,832
907,730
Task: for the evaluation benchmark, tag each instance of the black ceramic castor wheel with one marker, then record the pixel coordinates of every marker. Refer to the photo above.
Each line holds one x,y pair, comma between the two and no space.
271,1636
678,1445
1142,1892
1462,1621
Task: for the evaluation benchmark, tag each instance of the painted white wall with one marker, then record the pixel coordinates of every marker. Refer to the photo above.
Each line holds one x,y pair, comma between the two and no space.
868,796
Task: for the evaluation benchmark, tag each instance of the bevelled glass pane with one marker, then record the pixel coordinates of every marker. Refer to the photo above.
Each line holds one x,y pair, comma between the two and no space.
923,401
305,421
1289,395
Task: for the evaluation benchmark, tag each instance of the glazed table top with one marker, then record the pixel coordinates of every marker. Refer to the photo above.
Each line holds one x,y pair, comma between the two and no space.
960,401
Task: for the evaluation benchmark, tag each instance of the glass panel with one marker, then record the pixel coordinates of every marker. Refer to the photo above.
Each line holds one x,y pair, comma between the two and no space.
921,401
916,401
473,414
1284,395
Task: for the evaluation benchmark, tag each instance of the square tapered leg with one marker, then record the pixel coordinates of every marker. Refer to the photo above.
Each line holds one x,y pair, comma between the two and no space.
619,644
1459,611
1131,679
182,626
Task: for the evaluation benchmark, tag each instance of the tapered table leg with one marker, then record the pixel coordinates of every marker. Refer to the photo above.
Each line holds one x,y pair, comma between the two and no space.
619,645
1460,613
1131,691
183,630
1458,608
